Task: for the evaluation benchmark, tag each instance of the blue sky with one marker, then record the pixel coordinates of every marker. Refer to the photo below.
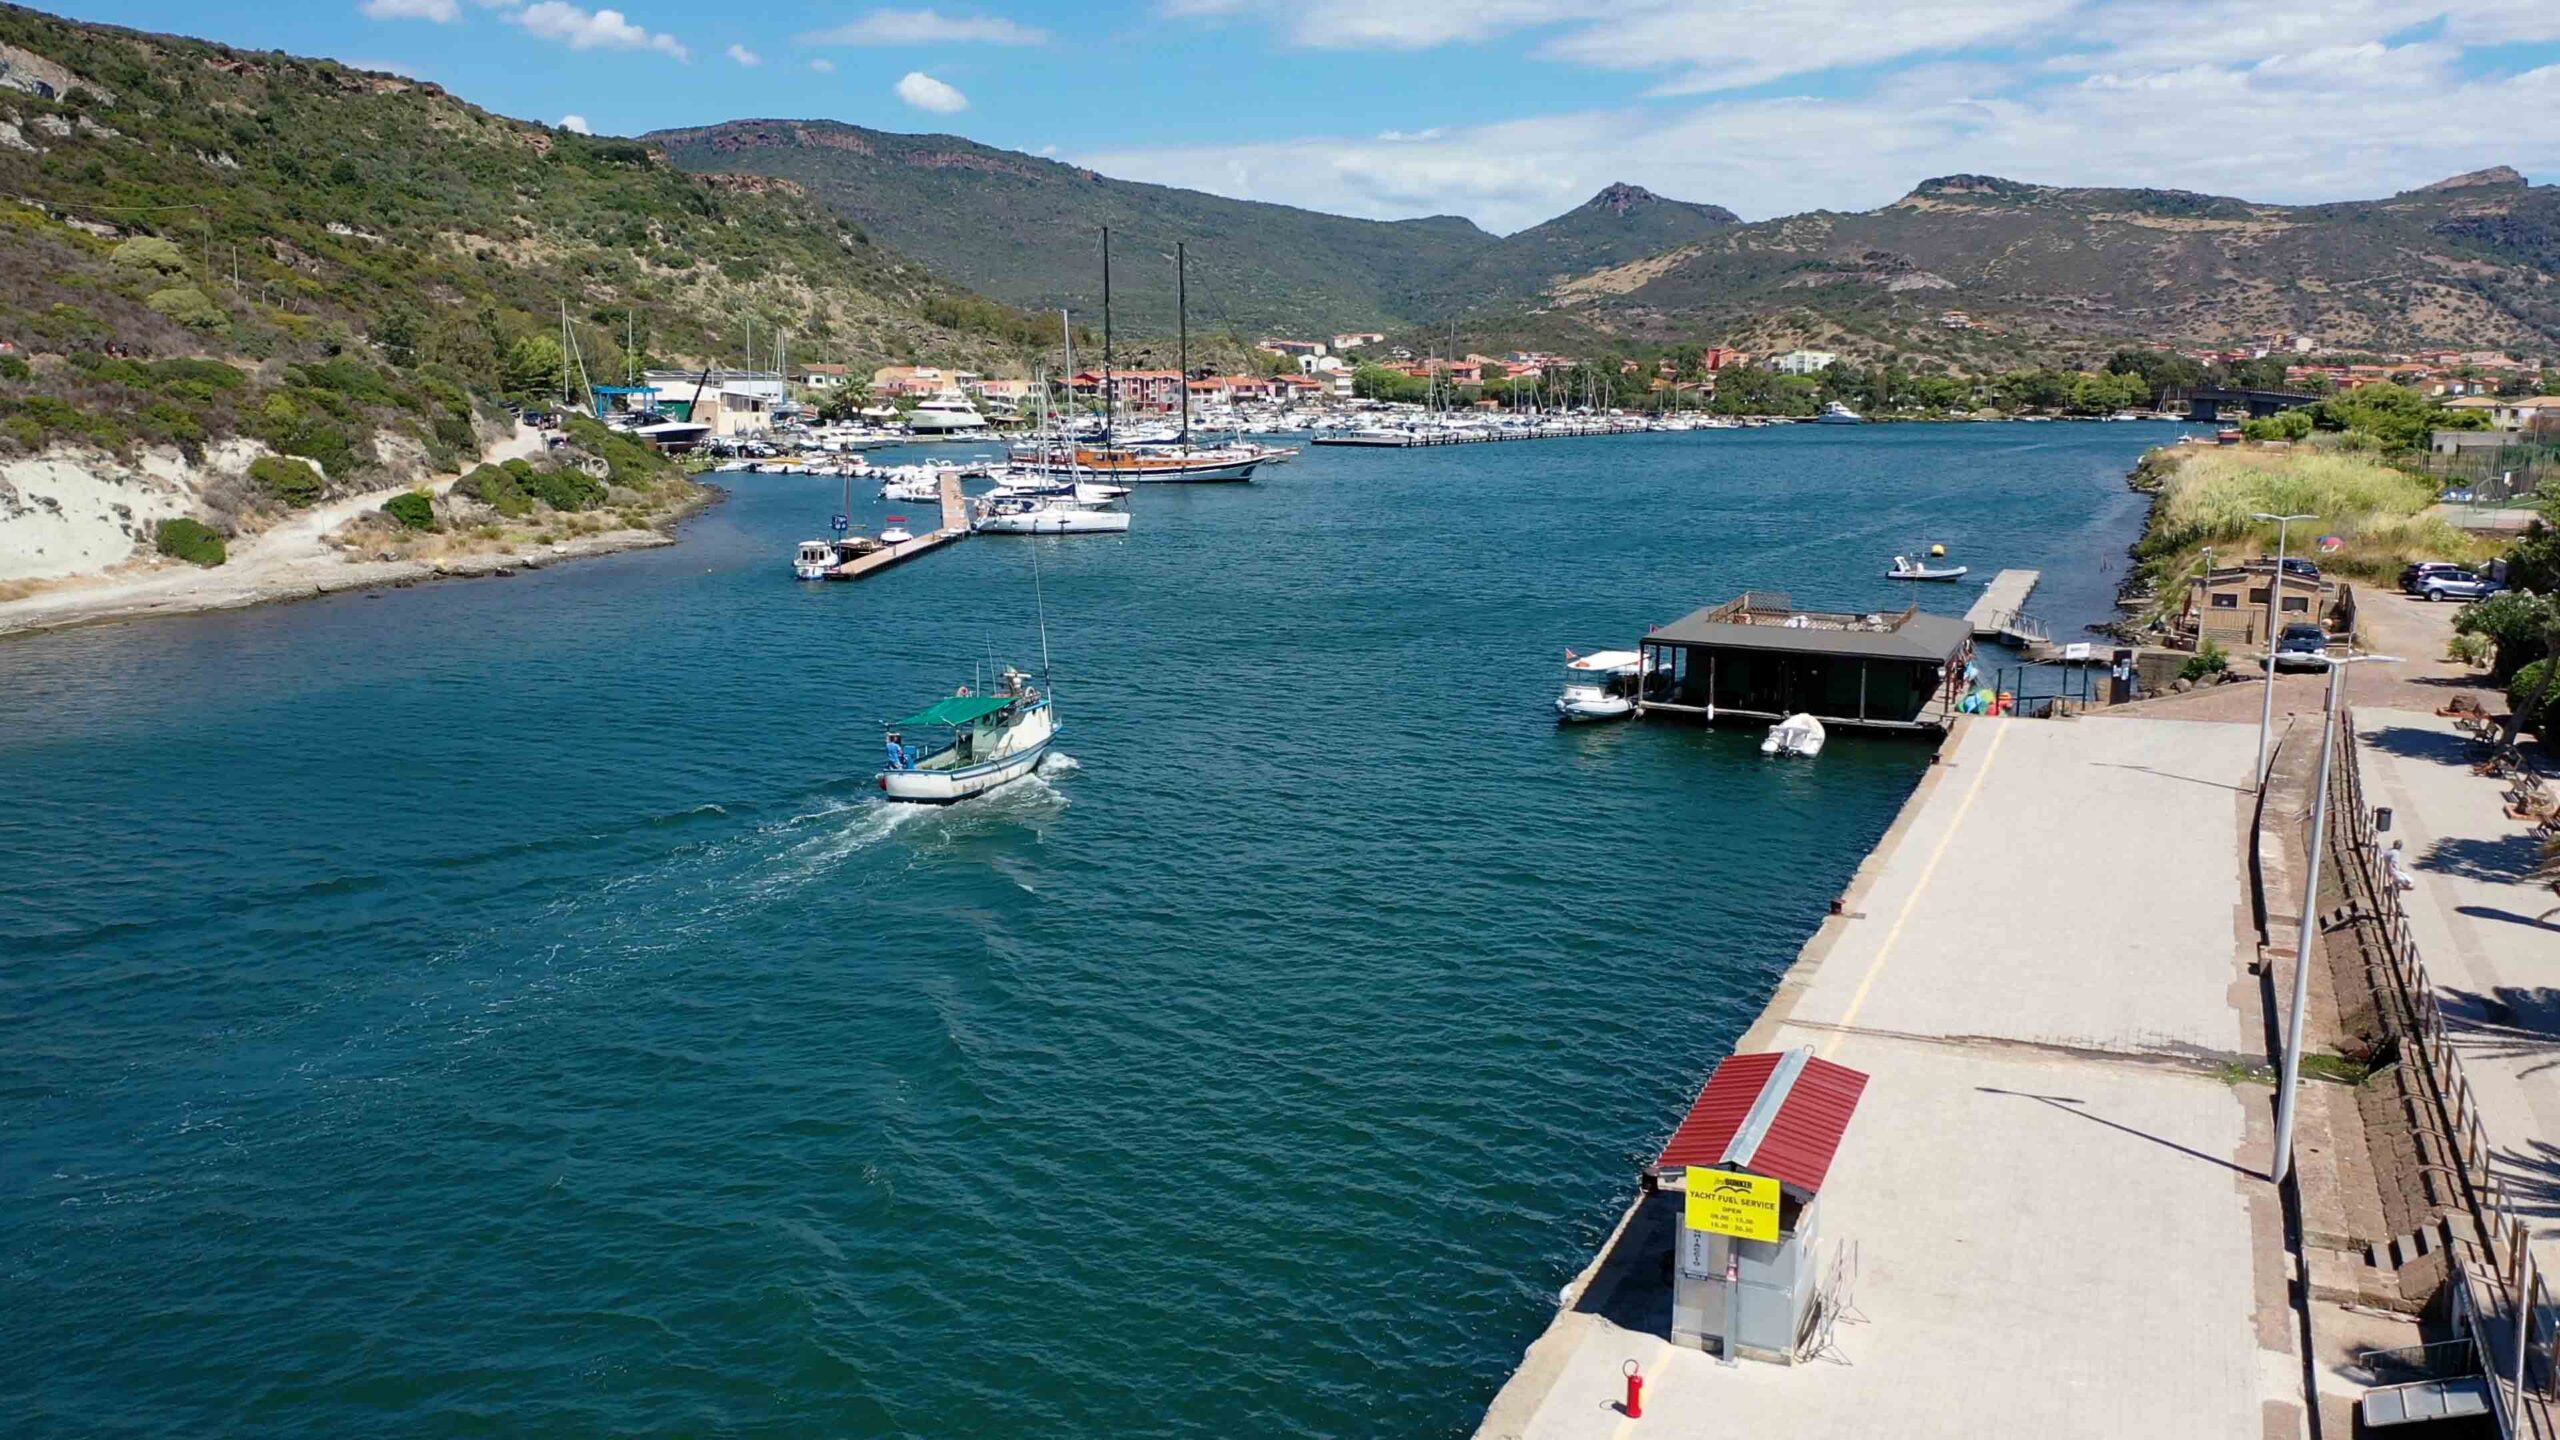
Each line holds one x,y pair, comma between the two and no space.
1509,111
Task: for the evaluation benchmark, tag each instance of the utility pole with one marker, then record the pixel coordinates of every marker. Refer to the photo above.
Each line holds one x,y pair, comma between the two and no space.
2275,594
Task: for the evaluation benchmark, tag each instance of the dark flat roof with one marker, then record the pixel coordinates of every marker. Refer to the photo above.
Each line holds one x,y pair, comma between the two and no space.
1914,637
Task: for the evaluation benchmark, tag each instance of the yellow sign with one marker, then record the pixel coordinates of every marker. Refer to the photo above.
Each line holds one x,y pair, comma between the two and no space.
1726,1202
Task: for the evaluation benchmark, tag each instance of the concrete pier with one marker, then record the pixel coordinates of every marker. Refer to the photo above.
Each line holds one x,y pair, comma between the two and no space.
2053,1188
1998,611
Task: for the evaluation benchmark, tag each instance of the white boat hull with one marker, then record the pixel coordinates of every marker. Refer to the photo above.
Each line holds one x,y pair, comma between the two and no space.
1576,710
1055,520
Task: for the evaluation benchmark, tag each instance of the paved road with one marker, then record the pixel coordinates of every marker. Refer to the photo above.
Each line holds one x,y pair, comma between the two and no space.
2054,1197
2494,957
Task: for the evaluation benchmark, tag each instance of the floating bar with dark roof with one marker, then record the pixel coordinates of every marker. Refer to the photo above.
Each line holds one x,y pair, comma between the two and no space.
1758,657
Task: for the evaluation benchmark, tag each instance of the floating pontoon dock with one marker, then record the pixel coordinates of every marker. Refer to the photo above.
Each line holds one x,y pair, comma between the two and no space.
2000,611
1760,658
955,526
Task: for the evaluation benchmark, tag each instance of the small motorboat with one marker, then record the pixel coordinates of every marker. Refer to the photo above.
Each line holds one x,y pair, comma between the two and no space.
1598,686
895,532
814,560
1906,568
1795,735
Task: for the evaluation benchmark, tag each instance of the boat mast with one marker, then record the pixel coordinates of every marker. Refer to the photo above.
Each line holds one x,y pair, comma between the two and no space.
1067,427
1182,323
1106,335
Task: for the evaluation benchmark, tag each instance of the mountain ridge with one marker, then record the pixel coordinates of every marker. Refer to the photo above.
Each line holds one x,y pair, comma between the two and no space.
1021,228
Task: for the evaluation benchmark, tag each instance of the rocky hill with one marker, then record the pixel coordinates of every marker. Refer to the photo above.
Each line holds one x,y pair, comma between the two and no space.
211,256
2048,270
1026,231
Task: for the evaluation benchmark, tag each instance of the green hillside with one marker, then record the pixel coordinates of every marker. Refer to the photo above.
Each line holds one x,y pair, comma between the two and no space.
2050,271
172,198
1025,230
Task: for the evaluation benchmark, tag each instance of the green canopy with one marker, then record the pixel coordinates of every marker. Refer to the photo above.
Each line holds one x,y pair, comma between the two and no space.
957,710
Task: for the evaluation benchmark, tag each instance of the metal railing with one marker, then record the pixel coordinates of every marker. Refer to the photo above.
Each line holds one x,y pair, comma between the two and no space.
2505,1237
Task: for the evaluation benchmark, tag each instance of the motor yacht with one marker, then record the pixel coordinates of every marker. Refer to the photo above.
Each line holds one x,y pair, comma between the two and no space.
1599,686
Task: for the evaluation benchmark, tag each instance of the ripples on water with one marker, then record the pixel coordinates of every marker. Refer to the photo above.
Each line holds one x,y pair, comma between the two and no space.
504,1006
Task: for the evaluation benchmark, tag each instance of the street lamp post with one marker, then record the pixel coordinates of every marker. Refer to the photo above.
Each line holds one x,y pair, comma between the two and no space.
2290,1083
2275,597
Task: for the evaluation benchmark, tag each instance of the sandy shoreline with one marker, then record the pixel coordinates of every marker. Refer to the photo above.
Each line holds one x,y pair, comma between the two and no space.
293,561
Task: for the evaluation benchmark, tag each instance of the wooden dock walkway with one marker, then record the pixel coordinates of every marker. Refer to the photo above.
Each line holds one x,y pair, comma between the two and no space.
955,526
2001,610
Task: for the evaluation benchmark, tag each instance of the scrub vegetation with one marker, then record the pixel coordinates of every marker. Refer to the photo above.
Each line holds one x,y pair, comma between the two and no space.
358,269
2206,499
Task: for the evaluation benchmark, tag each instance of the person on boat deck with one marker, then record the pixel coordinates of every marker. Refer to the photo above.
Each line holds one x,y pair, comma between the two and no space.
900,757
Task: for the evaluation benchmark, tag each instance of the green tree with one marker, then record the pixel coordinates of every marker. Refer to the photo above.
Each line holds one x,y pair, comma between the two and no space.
531,369
2521,625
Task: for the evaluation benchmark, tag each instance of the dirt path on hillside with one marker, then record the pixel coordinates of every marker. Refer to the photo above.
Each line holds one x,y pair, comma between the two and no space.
291,560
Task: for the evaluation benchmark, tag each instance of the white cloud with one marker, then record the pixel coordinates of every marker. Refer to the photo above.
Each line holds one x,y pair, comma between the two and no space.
823,65
2325,122
926,93
575,125
443,12
927,27
593,30
745,56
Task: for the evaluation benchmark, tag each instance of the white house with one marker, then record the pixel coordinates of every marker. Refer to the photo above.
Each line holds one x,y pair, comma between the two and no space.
731,402
1803,362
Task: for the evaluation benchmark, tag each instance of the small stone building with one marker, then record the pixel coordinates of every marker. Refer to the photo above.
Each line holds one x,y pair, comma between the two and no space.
2229,605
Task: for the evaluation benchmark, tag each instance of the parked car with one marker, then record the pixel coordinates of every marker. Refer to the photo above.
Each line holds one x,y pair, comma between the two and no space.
2410,575
2303,646
2296,565
2456,585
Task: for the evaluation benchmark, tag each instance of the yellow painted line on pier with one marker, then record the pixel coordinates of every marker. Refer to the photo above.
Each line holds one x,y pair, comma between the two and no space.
1875,967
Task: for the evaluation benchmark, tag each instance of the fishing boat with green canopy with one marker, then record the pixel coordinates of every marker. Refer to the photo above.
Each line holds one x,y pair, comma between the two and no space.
994,740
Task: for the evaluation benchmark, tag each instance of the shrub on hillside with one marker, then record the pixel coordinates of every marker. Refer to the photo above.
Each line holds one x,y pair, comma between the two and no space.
189,306
14,367
413,511
190,540
150,255
565,489
291,481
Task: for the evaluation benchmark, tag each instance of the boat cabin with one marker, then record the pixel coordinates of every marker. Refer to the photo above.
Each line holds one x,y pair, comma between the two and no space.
1758,657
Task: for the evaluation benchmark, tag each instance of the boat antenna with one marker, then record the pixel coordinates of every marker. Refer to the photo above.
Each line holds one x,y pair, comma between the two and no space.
1042,605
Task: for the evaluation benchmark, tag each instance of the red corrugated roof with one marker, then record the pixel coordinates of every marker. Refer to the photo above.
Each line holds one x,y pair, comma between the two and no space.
1802,1139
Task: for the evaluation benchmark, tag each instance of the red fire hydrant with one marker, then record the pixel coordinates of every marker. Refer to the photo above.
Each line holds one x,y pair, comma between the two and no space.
1635,1392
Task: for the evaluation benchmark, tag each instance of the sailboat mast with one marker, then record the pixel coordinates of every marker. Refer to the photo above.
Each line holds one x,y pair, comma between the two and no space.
1106,335
1182,324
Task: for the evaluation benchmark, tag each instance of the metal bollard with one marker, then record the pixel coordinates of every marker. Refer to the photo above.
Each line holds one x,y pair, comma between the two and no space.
1635,1392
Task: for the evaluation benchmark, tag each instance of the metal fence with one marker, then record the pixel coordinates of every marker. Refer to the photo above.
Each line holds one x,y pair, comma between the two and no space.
2498,475
2504,1235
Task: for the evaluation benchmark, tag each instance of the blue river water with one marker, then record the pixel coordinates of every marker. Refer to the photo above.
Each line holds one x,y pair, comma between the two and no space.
503,1006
